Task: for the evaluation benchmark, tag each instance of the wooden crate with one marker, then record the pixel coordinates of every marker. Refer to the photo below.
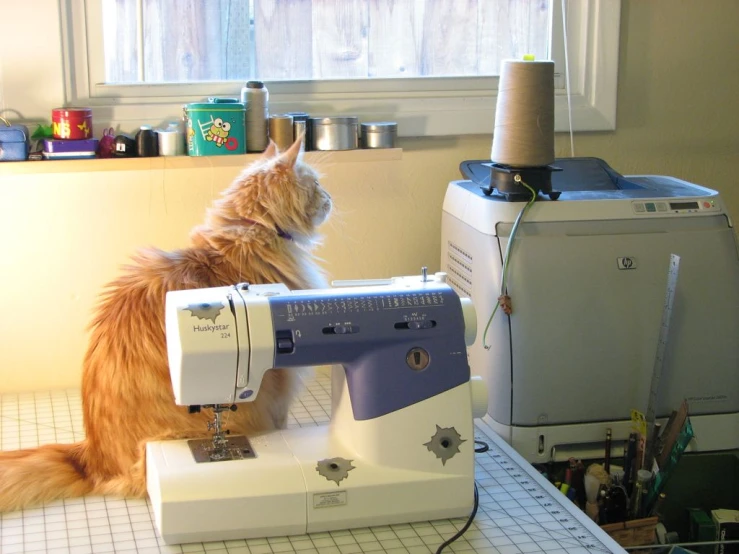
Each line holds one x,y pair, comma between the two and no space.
637,532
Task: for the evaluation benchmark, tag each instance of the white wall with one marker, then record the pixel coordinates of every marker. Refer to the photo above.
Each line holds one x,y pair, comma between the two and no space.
66,228
31,64
72,226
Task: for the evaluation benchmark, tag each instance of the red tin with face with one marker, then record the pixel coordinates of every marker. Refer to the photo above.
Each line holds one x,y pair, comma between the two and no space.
71,123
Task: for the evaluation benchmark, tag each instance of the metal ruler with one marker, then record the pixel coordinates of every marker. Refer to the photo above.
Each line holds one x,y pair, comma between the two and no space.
659,360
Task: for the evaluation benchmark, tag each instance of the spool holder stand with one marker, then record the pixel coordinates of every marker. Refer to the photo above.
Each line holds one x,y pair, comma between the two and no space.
505,180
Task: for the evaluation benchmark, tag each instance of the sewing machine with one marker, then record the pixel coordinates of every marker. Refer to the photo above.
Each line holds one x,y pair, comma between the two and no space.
400,444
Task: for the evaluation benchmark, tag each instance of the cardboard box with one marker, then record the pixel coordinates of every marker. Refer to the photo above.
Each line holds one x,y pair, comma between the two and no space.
727,529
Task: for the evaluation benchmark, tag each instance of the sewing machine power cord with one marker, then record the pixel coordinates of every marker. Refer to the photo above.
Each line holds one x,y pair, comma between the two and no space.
482,447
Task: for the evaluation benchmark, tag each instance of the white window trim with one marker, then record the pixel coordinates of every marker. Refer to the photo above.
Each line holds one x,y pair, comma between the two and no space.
437,107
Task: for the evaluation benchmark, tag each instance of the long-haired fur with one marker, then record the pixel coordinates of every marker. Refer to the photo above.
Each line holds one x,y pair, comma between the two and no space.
260,230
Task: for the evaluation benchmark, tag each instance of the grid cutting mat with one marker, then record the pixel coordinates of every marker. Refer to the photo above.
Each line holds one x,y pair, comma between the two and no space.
519,511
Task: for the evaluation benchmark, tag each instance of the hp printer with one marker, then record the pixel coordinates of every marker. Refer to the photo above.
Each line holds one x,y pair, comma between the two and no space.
587,277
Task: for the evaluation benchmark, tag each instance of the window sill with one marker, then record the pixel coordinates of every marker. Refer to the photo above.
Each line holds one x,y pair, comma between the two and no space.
188,162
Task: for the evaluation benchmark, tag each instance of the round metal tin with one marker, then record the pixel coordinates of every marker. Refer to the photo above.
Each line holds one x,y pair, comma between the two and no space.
71,123
380,134
334,133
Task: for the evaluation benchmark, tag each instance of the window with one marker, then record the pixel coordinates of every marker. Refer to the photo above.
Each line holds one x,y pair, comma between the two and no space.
277,40
431,65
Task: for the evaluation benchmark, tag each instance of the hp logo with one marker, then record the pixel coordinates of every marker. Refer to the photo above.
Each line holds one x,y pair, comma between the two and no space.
626,262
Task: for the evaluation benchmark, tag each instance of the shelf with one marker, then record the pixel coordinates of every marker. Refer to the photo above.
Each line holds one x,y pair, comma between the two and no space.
188,162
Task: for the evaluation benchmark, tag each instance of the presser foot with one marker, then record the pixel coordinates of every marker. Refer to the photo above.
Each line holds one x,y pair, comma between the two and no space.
219,448
231,448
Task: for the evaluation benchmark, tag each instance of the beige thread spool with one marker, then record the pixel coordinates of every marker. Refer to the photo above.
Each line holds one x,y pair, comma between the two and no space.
281,130
256,98
524,114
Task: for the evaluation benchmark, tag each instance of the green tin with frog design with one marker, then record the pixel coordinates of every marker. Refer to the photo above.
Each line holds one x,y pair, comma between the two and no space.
215,129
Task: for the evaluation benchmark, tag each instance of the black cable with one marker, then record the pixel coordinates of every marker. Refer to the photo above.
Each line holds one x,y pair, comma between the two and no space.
466,525
483,447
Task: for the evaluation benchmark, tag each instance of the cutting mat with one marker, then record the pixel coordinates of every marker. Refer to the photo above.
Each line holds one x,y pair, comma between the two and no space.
520,512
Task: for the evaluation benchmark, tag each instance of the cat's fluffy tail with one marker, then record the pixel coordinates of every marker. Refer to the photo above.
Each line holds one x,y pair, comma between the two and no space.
33,476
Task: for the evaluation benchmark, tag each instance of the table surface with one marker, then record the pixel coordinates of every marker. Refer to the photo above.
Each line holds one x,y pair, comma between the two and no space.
519,511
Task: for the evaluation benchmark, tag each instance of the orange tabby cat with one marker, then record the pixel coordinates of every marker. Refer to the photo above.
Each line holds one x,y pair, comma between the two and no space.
259,231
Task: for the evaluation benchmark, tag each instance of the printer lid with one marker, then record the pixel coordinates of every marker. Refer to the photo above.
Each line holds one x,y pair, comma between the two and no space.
588,178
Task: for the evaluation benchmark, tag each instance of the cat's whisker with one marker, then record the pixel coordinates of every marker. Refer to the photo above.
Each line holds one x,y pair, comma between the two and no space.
337,221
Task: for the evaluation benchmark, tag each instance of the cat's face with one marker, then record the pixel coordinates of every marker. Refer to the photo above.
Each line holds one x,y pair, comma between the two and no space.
282,192
314,199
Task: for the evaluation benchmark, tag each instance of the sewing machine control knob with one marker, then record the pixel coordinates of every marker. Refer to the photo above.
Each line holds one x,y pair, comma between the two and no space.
479,393
284,342
415,325
470,321
341,330
417,359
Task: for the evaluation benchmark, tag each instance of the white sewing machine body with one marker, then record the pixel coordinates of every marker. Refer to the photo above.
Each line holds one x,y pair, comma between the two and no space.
385,458
587,279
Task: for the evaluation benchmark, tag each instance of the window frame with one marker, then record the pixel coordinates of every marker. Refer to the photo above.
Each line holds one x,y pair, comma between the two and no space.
422,107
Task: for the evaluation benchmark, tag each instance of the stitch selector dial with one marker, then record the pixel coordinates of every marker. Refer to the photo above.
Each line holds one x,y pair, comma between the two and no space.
417,359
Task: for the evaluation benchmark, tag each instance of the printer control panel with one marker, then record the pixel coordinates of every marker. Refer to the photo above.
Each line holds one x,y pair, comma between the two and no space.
700,205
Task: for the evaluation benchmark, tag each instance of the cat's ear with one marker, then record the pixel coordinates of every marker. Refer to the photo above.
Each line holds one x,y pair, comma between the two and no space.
270,151
291,154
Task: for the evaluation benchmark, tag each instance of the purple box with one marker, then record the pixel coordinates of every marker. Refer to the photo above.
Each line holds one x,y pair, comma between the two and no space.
55,149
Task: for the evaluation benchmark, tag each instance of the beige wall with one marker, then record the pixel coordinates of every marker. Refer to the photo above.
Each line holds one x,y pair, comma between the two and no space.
65,231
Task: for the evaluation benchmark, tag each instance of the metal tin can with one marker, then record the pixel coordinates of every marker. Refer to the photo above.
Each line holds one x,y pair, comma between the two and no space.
334,133
300,125
71,123
300,128
380,134
215,129
281,130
